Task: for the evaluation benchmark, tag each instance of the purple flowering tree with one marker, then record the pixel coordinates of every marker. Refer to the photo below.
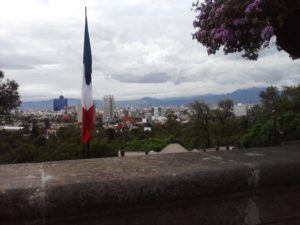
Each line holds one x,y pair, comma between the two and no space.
248,26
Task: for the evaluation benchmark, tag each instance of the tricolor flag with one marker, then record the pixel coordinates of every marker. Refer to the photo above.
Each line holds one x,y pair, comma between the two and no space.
87,99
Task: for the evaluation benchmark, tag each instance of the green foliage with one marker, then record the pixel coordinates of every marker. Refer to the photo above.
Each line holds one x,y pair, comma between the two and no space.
196,134
277,119
253,138
279,116
267,133
201,119
99,148
290,126
173,127
9,96
224,124
110,134
172,140
148,144
271,100
40,140
291,97
34,131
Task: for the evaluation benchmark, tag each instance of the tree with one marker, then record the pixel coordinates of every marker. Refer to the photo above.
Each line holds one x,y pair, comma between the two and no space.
253,138
291,97
272,104
202,112
194,134
277,119
9,96
173,127
226,106
248,26
110,134
223,114
267,134
270,99
290,127
146,145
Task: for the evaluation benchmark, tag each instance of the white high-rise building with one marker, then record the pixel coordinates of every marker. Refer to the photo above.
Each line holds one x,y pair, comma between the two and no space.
79,113
157,112
241,109
108,107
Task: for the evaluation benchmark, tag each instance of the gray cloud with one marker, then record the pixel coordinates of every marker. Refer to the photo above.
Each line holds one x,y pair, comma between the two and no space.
140,48
147,78
22,61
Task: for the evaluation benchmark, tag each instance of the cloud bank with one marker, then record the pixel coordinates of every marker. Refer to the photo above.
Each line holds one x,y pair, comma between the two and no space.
140,48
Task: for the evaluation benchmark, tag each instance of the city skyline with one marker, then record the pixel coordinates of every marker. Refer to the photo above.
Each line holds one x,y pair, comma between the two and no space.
140,49
238,96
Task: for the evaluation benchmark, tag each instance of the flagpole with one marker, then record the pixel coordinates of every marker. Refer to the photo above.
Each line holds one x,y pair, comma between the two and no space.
88,148
87,99
83,144
83,150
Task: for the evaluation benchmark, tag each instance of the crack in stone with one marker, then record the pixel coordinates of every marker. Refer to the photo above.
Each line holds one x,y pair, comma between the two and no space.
38,198
251,213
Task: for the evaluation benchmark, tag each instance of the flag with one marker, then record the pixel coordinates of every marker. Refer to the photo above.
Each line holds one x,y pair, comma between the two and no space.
87,99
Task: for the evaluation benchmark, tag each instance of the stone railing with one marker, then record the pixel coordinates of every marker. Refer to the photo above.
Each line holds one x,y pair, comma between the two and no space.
253,186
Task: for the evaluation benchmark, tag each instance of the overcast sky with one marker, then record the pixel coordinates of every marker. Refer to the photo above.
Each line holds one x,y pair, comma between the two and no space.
140,48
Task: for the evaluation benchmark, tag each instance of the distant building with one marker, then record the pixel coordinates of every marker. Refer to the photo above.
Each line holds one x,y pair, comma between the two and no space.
241,109
70,109
128,121
108,107
79,113
50,132
156,112
147,120
60,103
11,128
147,129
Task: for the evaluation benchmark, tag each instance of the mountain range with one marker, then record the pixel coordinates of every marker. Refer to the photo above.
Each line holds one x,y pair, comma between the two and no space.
250,95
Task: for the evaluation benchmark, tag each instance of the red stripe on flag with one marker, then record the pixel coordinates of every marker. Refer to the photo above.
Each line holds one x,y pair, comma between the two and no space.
87,123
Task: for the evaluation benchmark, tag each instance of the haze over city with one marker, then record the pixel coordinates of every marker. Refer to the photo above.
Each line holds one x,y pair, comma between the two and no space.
140,48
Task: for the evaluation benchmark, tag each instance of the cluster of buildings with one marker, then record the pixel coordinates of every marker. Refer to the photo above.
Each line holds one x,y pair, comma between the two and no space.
109,116
135,117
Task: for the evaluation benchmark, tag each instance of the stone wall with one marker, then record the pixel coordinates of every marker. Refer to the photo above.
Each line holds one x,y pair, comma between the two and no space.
253,186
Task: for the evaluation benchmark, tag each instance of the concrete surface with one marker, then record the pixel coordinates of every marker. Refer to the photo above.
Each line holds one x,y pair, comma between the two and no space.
253,186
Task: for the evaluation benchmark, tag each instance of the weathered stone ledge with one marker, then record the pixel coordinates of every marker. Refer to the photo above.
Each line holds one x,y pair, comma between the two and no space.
67,192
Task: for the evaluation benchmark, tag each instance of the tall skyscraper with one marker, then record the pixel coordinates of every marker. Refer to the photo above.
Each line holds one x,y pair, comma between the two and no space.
79,113
108,107
60,103
156,112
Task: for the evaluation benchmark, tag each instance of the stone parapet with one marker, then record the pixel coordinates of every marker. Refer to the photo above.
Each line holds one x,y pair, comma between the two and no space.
246,186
